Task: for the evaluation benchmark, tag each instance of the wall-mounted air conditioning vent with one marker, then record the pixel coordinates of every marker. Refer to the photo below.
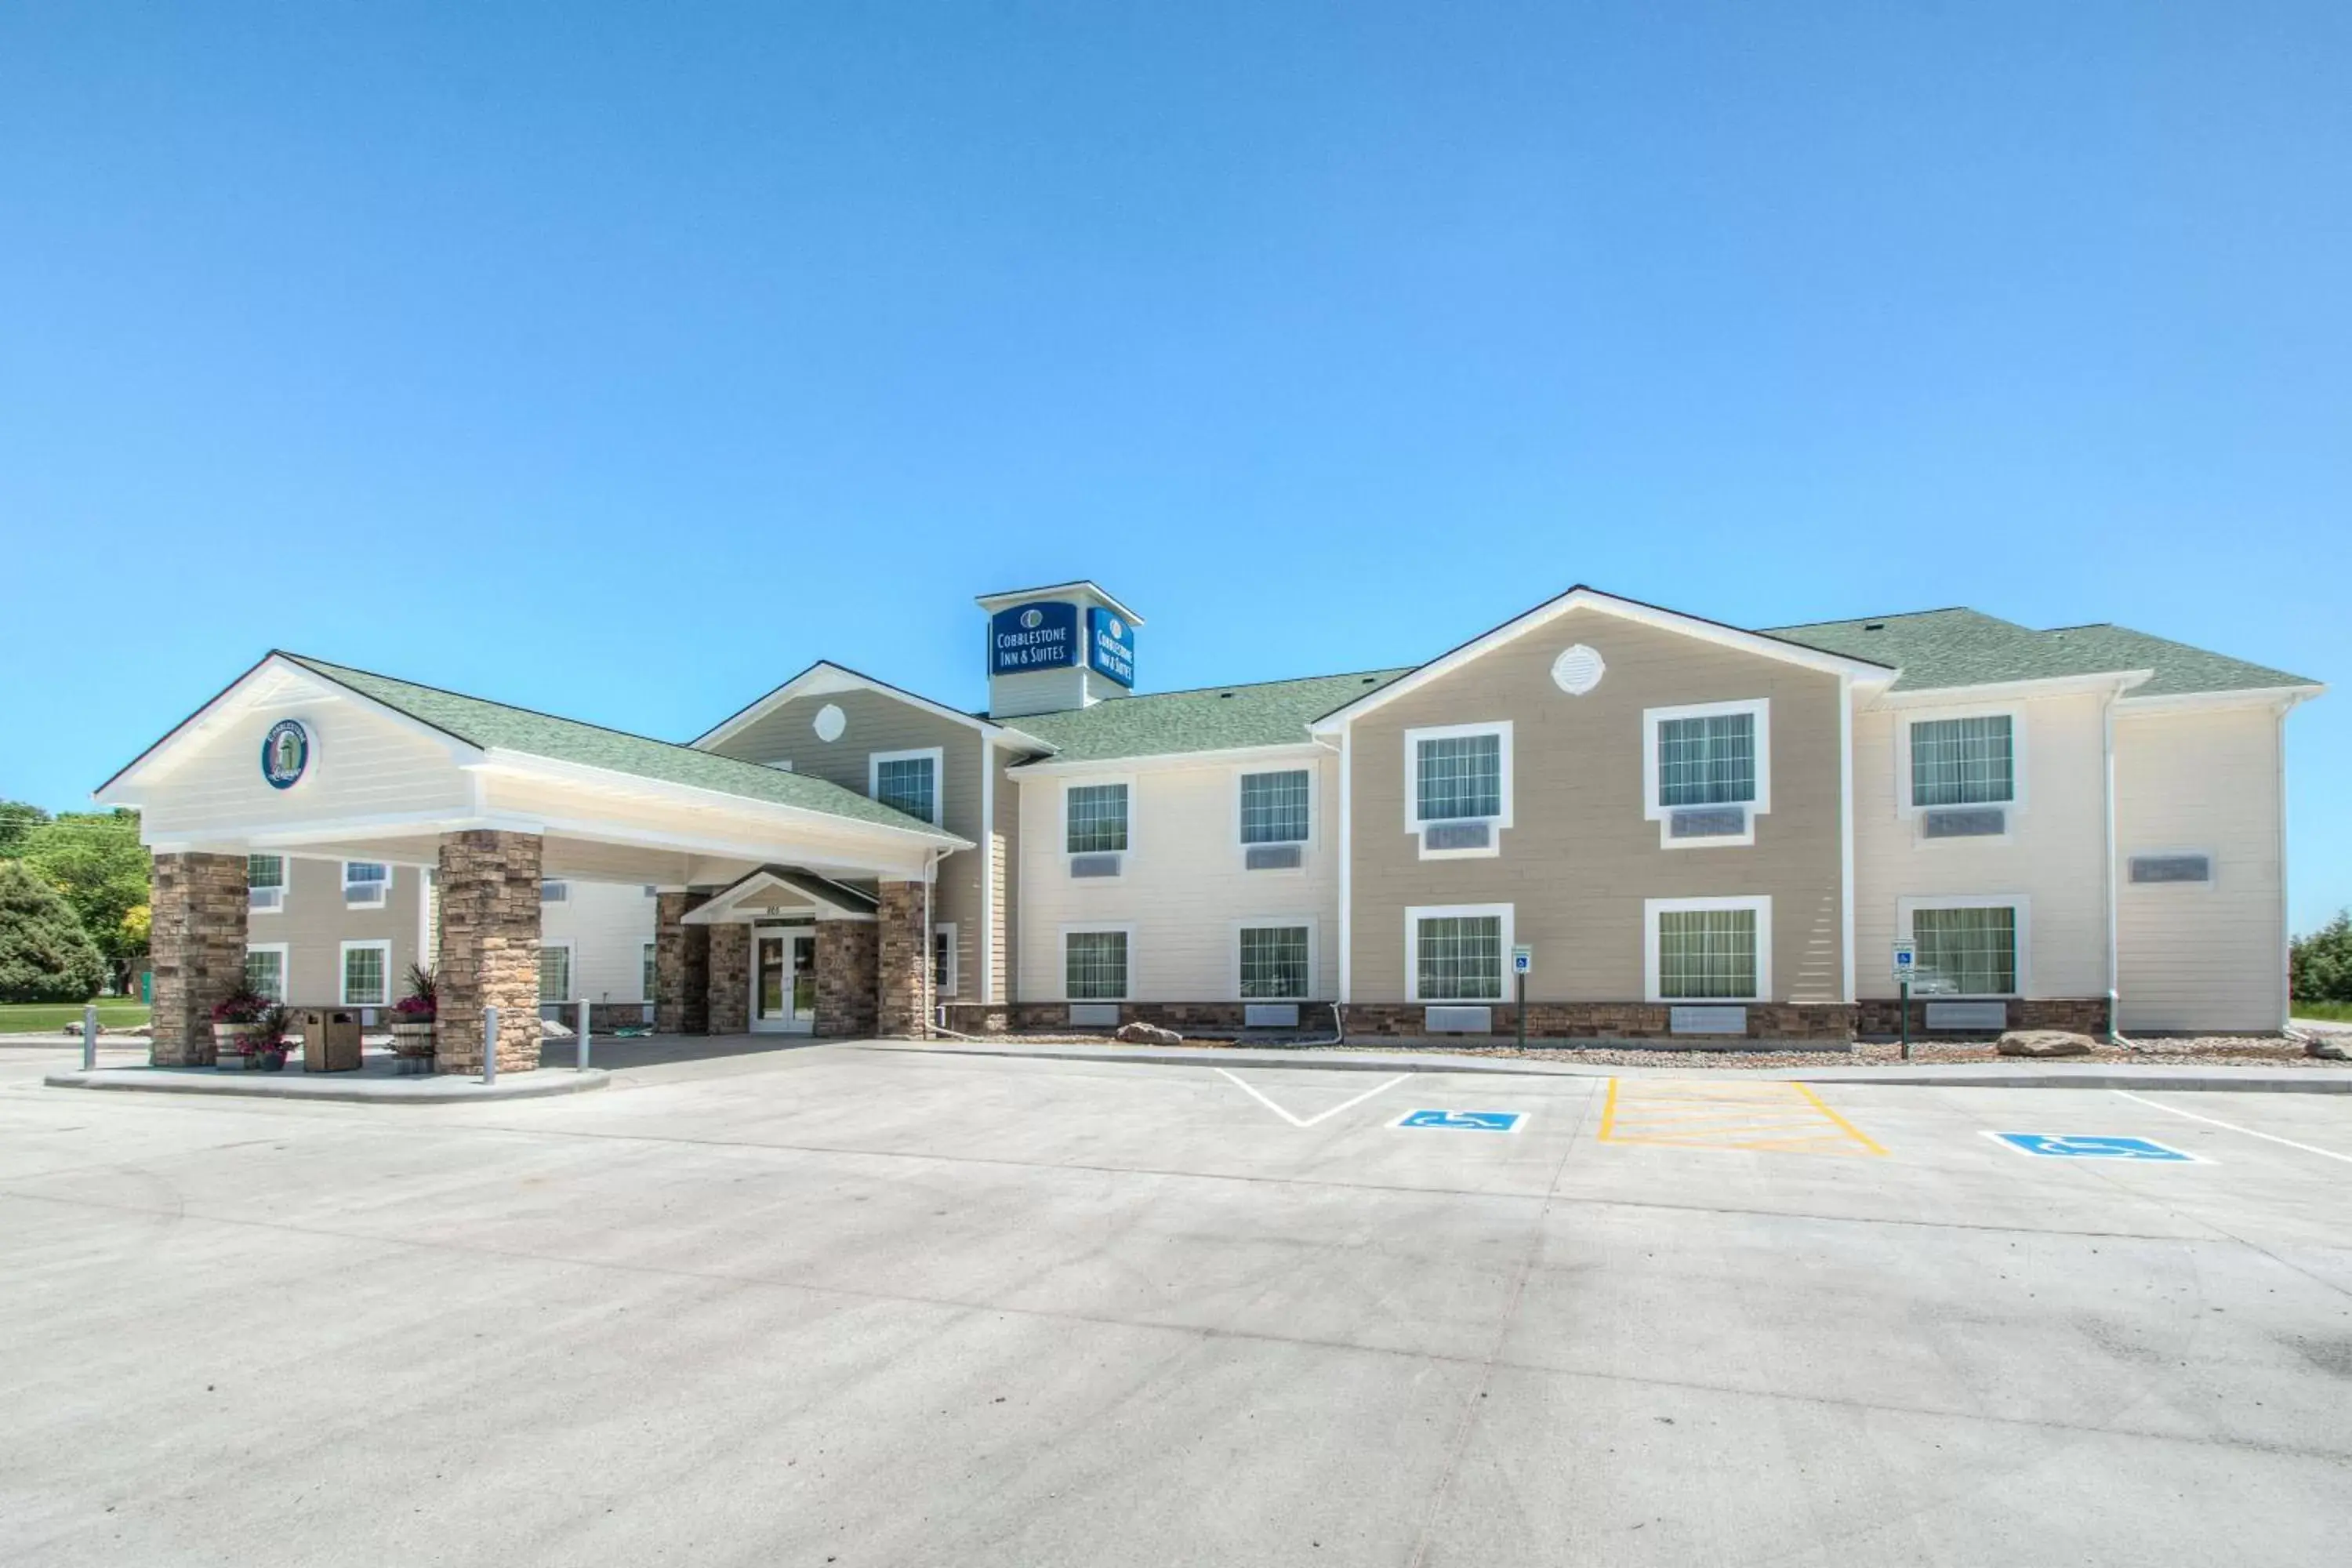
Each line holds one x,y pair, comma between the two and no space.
1270,1014
1965,822
1095,865
2171,868
553,892
266,898
1458,1020
1273,858
363,896
1094,1015
1471,834
1707,822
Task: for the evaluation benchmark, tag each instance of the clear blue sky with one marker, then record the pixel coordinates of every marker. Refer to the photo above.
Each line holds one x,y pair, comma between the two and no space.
620,360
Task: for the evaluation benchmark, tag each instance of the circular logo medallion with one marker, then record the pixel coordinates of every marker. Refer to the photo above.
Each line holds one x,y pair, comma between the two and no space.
285,753
1117,628
1032,619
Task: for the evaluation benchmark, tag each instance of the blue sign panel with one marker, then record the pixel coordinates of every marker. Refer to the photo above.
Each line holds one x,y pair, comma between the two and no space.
285,753
1463,1121
1044,636
1110,645
2054,1146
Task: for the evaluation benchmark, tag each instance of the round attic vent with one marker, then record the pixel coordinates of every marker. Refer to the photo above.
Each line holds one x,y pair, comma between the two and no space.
830,723
1577,670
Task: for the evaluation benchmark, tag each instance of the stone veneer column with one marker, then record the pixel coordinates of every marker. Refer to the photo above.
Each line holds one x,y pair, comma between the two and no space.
489,949
728,1009
196,949
847,955
681,966
902,992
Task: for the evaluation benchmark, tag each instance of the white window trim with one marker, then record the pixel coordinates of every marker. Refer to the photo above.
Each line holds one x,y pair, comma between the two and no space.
650,981
383,889
285,887
1417,913
1653,908
1414,824
285,965
1307,845
954,985
571,965
1906,812
1061,838
1062,951
1905,908
1262,922
343,972
1654,811
937,755
2212,871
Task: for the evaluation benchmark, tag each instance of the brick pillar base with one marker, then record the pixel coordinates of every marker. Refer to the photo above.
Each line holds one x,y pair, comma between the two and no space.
730,1007
902,992
196,949
681,966
847,955
489,950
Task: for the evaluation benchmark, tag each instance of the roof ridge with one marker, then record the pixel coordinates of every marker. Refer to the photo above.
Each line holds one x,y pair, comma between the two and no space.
1225,686
1883,615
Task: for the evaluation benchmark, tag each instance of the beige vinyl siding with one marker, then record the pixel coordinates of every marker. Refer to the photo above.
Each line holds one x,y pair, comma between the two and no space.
1004,846
1581,858
2199,957
1183,888
315,923
2055,854
878,721
608,924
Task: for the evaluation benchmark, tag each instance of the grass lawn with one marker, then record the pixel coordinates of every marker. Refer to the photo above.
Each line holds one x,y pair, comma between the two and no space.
2331,1012
47,1017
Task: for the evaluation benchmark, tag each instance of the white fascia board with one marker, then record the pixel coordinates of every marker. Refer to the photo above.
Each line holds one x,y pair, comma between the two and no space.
2278,697
529,764
1580,598
825,678
240,697
1162,761
2103,683
992,603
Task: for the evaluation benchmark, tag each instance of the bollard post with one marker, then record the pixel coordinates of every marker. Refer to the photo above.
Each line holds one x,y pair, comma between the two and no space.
90,1036
490,1044
583,1036
1906,1018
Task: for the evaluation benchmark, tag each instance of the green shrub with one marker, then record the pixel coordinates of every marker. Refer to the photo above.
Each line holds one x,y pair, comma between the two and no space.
44,955
2319,966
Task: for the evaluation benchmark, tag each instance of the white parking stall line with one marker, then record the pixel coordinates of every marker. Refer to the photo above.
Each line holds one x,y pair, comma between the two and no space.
2217,1121
1320,1116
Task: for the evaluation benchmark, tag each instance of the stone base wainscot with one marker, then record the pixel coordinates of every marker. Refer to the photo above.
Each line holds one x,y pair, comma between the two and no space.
1831,1023
1883,1016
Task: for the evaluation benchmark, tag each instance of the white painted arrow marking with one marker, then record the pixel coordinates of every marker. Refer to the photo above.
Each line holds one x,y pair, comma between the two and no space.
1311,1120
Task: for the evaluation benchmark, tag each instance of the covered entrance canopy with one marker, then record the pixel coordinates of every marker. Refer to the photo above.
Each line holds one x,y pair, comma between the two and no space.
301,757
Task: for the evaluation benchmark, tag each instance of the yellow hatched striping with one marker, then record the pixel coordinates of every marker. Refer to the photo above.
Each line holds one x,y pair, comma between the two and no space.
1768,1118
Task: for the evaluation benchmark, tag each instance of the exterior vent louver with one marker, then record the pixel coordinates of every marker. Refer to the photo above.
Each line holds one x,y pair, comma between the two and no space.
2171,868
1709,822
266,898
1094,865
1473,835
1965,822
1273,857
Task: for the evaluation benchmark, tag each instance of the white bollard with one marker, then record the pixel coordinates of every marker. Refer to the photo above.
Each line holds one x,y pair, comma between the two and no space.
583,1036
90,1036
490,1044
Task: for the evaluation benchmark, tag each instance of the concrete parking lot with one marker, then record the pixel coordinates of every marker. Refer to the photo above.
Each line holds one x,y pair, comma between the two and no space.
869,1306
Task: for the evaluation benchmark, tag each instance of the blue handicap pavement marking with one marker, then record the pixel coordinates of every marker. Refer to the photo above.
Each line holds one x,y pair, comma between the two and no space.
1463,1121
2076,1146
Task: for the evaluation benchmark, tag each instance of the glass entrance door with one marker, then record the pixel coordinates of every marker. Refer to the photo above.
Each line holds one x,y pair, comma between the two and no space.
783,980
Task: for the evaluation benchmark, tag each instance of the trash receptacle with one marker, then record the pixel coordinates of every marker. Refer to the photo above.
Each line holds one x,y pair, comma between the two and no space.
331,1038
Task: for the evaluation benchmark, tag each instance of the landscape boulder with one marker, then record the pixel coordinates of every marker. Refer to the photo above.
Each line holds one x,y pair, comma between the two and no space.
1141,1034
2327,1048
2045,1042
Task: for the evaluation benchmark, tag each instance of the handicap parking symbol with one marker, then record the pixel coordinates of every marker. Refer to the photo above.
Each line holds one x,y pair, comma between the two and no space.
1463,1121
2078,1146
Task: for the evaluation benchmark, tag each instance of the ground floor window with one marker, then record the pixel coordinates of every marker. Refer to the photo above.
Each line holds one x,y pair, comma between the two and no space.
649,971
943,959
1457,954
367,969
264,971
1273,963
554,972
1709,950
1094,966
1974,949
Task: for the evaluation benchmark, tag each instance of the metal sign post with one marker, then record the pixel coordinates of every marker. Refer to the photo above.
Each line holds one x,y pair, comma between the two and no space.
1523,959
1907,961
583,1036
490,1044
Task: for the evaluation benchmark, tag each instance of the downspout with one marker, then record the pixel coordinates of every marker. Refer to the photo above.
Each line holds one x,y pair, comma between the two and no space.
930,970
2107,760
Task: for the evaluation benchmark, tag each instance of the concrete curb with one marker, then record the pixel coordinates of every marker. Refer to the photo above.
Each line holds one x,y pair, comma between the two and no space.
450,1090
1957,1075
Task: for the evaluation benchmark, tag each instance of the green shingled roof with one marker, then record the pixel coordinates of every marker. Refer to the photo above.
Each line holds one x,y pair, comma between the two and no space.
1967,647
1211,718
488,725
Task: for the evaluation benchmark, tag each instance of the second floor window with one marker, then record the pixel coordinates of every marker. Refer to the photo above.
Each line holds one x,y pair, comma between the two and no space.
1096,818
364,883
1458,776
1963,762
1274,807
265,881
911,784
1706,761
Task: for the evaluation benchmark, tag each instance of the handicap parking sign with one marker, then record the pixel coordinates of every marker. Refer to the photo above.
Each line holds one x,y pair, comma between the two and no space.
2080,1146
1463,1121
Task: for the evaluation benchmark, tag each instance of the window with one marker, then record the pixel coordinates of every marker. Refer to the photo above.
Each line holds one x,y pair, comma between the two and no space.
1095,819
648,980
1963,762
1455,954
1707,771
1708,949
1458,790
264,969
554,972
1274,807
1707,760
943,959
1094,966
367,967
907,781
265,883
1275,961
366,884
1973,950
555,892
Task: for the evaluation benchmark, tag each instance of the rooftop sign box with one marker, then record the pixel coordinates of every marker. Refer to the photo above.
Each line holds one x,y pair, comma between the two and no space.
1111,645
1041,635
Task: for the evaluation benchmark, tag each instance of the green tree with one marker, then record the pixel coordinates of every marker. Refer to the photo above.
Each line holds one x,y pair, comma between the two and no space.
44,955
17,820
96,860
2319,966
